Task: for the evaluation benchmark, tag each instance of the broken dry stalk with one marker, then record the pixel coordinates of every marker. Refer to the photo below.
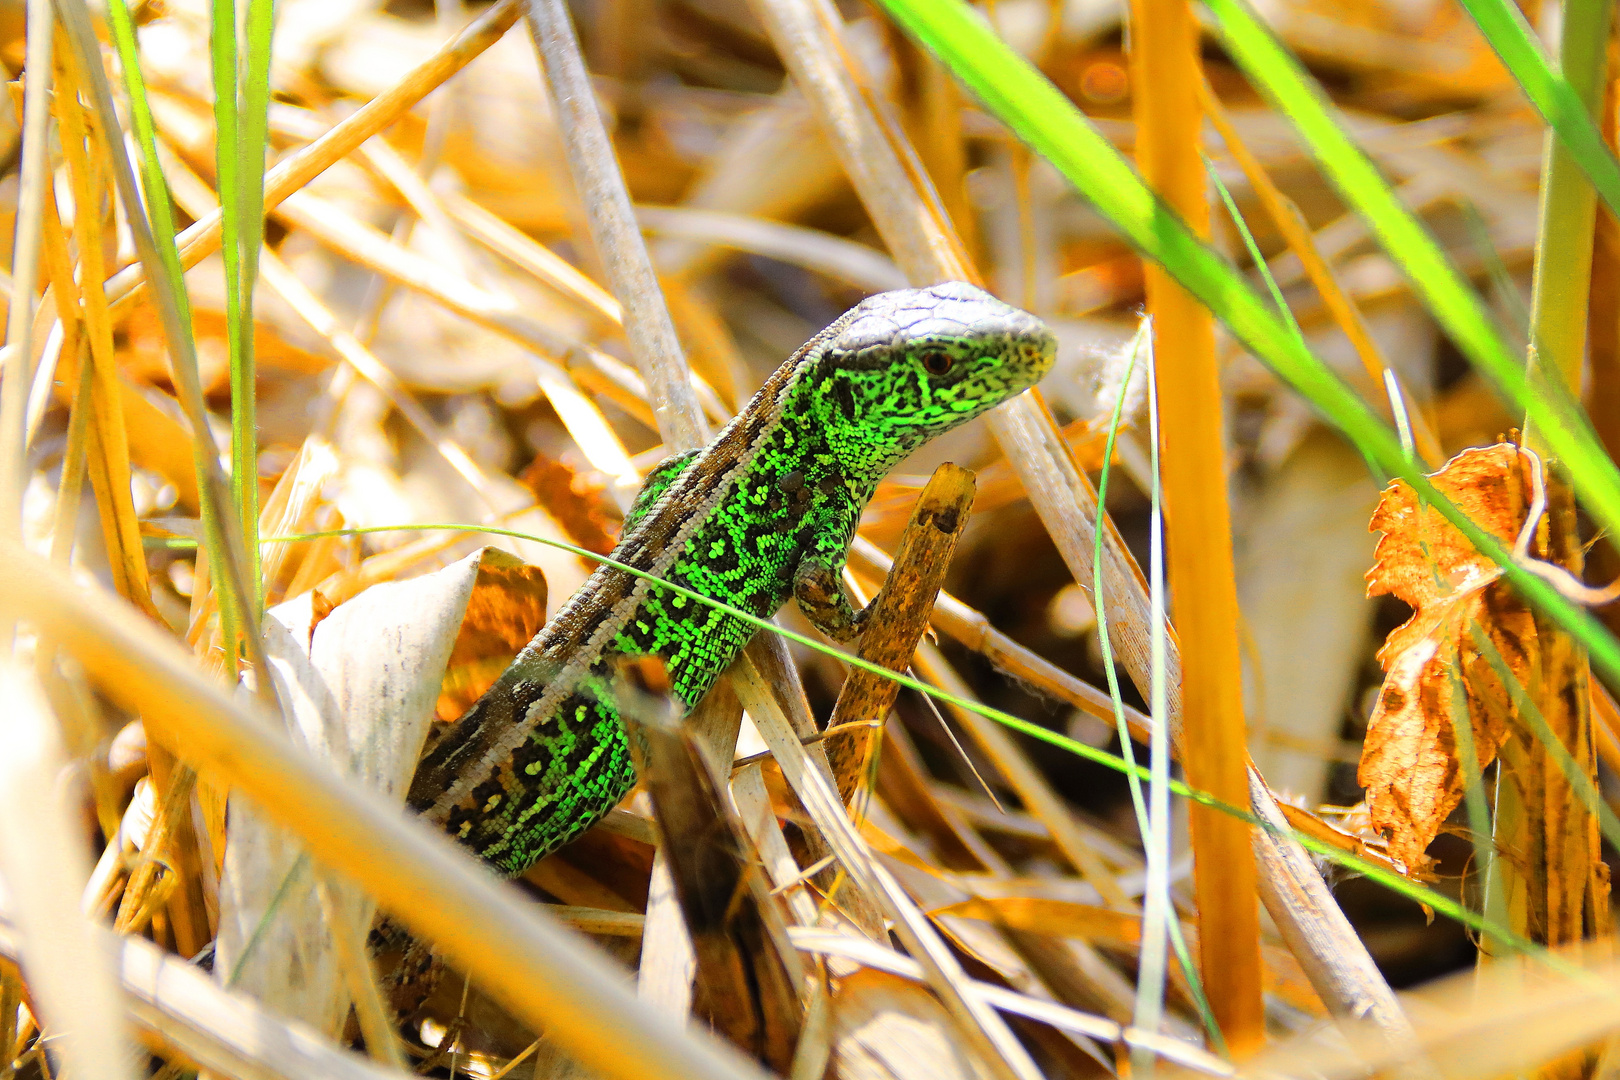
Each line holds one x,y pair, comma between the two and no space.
895,621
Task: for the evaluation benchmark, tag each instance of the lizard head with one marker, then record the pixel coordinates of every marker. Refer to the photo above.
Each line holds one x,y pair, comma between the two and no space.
905,366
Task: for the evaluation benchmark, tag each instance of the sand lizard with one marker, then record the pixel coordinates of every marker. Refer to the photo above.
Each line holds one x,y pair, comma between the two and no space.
764,512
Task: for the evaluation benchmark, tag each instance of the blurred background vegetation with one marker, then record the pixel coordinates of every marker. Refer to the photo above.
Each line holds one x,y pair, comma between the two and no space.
429,337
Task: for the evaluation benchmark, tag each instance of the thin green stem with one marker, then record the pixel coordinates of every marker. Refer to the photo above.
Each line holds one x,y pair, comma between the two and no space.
1160,912
1151,967
1105,640
253,136
267,917
1563,271
1479,817
1525,704
1253,249
1504,290
1354,863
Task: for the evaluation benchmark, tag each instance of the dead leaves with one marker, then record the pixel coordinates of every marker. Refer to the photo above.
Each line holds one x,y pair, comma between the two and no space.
1435,671
507,608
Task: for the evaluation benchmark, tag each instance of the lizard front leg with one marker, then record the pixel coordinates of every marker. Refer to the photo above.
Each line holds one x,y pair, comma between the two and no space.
819,589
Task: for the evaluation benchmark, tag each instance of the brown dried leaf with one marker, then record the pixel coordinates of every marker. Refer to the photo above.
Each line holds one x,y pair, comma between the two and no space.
576,499
506,609
1409,763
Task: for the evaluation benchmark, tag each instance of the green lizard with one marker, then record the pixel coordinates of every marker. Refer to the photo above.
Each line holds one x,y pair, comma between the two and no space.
766,511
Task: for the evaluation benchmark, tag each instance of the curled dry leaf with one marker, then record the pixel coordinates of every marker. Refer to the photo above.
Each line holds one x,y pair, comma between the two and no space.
507,608
1410,763
575,498
360,685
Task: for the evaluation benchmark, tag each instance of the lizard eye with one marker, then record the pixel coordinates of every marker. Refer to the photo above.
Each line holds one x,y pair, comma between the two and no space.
937,363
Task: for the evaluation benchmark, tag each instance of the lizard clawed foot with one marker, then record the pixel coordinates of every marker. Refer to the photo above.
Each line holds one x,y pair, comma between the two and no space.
821,597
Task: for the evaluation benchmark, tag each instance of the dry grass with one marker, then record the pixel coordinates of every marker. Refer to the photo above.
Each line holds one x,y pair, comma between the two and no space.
447,331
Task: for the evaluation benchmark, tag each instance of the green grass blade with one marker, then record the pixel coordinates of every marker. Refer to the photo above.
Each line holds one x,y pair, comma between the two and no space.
222,56
1443,289
253,137
158,201
160,216
244,479
1550,93
1050,124
241,71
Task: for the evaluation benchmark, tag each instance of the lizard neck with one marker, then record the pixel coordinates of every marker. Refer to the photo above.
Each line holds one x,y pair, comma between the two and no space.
854,415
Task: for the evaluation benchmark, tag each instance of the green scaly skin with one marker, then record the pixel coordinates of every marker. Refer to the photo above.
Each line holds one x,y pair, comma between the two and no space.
766,511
